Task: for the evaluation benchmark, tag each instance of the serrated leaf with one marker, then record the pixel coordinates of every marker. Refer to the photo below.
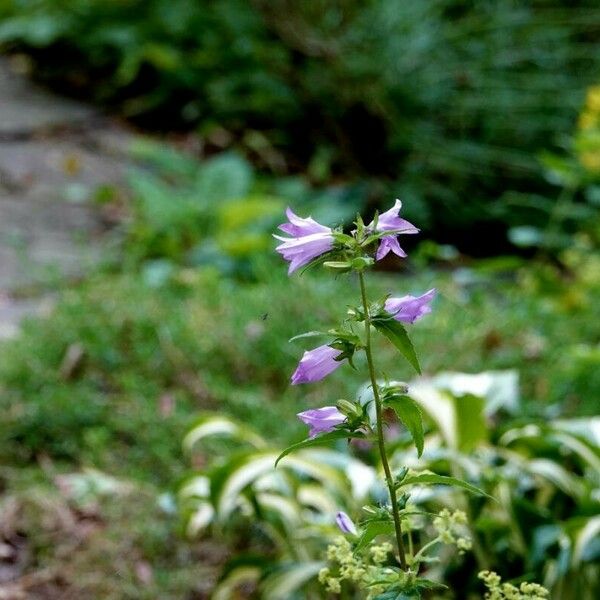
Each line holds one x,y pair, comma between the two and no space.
332,436
433,478
409,412
396,333
371,530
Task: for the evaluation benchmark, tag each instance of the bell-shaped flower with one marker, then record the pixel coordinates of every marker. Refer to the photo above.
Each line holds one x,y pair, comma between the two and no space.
391,221
321,420
345,523
309,240
409,309
298,227
316,364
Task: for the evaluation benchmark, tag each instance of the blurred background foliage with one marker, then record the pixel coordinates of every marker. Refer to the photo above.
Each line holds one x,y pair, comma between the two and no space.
484,118
439,101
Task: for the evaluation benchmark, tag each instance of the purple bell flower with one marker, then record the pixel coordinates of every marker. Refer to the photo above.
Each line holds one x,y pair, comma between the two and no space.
309,240
389,243
409,309
391,221
298,227
344,522
316,364
321,420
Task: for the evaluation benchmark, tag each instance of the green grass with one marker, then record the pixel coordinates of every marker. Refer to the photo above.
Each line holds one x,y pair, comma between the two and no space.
153,357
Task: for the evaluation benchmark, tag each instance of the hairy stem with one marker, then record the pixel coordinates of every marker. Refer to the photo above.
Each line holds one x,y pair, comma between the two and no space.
379,413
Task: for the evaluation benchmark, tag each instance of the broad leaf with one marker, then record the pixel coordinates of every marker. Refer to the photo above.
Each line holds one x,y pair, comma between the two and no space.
396,333
409,413
337,434
432,478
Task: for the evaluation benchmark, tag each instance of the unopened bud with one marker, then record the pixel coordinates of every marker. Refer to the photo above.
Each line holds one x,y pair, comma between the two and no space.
348,408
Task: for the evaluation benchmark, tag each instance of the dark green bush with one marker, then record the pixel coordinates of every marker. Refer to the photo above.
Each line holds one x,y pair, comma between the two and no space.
443,102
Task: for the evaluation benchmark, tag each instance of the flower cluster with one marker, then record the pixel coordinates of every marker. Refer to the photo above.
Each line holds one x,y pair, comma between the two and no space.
365,570
452,529
309,241
506,591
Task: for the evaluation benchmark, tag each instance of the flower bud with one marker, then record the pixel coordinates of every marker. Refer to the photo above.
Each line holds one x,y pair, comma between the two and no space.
362,262
350,409
338,265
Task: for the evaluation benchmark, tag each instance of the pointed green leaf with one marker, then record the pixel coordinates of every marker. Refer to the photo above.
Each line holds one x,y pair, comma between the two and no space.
371,530
396,333
308,334
424,478
409,413
332,436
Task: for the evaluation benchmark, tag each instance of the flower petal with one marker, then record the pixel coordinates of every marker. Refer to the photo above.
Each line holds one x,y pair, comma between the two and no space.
321,420
409,309
316,364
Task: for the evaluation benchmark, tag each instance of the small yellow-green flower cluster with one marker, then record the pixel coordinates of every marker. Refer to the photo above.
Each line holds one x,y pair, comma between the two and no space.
350,567
347,566
379,554
452,529
506,591
587,141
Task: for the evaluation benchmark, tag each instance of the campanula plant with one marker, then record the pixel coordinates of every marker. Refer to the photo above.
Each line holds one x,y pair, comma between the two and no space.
359,560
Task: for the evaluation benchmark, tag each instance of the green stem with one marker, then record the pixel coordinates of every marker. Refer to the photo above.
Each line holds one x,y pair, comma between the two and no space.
379,413
424,549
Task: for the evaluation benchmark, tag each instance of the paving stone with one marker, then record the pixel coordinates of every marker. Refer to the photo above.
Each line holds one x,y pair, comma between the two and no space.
40,235
26,108
58,162
54,154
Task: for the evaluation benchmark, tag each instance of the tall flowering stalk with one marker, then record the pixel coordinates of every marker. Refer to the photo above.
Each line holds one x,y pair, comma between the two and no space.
355,558
311,242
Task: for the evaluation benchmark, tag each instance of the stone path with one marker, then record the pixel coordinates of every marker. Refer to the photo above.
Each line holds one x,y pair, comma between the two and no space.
54,155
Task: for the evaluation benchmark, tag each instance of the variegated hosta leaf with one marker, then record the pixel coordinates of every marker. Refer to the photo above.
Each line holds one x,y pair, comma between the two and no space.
460,420
284,583
210,424
236,577
195,494
561,436
200,518
246,469
549,471
287,508
584,537
317,498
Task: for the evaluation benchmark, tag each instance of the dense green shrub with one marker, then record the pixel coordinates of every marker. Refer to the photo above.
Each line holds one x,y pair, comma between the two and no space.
444,101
